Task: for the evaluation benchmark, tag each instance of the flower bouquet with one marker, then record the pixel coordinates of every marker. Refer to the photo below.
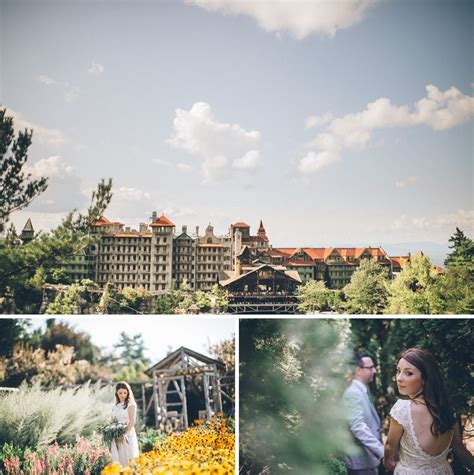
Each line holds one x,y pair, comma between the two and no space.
114,430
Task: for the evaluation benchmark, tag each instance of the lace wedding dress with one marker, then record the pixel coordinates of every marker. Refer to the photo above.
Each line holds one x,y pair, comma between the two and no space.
124,452
413,459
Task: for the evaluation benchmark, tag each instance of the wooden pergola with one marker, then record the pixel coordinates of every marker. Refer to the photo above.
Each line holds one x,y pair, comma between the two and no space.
168,399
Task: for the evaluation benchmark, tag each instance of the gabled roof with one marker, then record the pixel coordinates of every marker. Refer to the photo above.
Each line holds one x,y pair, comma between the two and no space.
315,252
293,275
330,250
244,249
28,226
183,358
162,221
183,236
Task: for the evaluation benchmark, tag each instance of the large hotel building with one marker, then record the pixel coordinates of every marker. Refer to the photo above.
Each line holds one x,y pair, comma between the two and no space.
157,258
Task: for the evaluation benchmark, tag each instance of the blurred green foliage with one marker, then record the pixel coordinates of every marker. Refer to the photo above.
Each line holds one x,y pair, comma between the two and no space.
291,382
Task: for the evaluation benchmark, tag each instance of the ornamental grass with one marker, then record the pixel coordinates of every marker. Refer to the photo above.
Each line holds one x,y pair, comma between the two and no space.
206,448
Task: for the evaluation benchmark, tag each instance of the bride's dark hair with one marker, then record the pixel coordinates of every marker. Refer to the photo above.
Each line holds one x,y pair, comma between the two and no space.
124,385
433,389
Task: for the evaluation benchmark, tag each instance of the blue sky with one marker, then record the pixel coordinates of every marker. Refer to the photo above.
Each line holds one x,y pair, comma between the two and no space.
160,336
347,122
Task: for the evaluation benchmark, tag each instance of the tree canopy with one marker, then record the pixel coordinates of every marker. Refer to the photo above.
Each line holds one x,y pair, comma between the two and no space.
17,187
367,291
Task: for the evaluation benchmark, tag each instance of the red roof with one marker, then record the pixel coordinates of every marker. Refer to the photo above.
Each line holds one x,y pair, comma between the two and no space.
241,225
162,221
257,239
102,221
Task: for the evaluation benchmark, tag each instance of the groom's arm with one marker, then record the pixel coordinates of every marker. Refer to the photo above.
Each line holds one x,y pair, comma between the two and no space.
359,427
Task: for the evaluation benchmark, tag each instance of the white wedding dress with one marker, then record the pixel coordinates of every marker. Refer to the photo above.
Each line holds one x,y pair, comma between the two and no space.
126,451
413,459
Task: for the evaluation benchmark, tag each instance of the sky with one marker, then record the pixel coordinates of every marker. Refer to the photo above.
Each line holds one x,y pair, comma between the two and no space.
160,336
333,122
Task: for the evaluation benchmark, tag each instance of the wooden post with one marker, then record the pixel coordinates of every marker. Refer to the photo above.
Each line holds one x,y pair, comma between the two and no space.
206,395
185,405
155,397
143,401
217,390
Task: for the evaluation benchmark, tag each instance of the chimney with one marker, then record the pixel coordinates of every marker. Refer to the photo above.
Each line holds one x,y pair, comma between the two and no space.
154,216
143,228
238,267
184,229
197,230
127,229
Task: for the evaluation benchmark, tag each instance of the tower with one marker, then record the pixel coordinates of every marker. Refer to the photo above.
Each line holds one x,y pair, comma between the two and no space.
28,233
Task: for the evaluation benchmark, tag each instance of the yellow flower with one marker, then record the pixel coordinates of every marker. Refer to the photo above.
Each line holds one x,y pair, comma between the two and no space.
207,448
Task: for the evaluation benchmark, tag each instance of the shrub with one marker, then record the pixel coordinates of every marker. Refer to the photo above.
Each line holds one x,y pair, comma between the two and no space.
49,368
84,456
149,438
31,416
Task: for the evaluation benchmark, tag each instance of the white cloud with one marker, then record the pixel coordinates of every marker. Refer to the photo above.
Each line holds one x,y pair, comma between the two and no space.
250,161
313,162
64,191
46,80
43,135
70,92
159,161
222,145
299,18
314,121
50,167
462,218
215,168
174,212
438,110
131,194
96,69
184,167
411,180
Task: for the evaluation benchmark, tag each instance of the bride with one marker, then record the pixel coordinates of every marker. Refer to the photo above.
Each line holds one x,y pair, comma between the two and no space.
423,427
125,448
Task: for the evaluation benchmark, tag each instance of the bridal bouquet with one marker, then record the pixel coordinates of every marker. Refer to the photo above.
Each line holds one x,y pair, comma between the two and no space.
114,430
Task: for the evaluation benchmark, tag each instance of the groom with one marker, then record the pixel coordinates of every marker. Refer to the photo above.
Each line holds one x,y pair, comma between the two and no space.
364,420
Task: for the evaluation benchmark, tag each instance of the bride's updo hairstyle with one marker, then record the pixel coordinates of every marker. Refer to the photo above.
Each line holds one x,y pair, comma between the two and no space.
124,385
433,389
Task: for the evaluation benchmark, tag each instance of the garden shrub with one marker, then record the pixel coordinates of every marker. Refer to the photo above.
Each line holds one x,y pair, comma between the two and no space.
87,457
32,416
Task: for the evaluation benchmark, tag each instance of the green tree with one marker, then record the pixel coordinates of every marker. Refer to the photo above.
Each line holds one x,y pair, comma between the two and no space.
413,291
202,301
367,291
18,287
313,297
168,303
219,297
462,251
131,350
65,334
12,331
453,292
291,384
17,188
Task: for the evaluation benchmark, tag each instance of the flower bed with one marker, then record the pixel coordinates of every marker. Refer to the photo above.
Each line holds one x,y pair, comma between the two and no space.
207,448
87,457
